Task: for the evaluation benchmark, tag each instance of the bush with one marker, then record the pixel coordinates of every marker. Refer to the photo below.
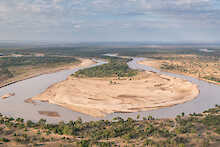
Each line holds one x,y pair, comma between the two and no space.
84,143
4,139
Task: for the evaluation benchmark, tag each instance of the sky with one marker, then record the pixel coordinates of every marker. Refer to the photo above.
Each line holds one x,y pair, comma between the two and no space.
110,20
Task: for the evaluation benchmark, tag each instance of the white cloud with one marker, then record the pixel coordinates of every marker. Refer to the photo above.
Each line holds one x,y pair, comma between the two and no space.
85,15
77,26
190,1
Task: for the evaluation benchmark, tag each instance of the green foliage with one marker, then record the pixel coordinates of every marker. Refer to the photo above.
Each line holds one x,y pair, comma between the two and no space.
117,67
212,79
4,139
213,110
6,63
147,132
149,142
22,61
217,130
173,67
30,123
84,143
104,144
211,120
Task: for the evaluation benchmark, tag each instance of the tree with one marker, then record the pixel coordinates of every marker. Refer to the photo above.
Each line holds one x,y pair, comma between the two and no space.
29,123
183,114
42,122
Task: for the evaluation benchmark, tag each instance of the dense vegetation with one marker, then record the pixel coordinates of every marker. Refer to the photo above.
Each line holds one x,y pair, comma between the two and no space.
212,79
33,61
194,130
173,67
117,67
10,66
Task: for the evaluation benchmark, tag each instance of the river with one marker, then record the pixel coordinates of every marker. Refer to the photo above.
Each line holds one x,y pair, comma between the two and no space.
16,107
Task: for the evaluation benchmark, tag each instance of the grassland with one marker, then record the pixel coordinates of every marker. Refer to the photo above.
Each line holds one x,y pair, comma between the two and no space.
199,66
192,130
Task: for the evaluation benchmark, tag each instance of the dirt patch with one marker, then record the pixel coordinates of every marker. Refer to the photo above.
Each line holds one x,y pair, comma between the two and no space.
127,96
44,101
49,113
30,101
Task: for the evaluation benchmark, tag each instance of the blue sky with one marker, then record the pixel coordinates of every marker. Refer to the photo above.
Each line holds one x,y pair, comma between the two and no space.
110,20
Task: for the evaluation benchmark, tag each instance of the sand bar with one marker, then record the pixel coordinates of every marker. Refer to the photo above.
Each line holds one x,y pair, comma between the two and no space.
49,113
100,96
7,95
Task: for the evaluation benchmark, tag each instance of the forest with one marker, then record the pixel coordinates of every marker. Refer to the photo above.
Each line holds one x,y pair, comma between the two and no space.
116,67
33,61
200,129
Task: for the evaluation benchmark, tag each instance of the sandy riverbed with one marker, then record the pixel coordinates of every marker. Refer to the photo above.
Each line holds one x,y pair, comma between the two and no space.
100,96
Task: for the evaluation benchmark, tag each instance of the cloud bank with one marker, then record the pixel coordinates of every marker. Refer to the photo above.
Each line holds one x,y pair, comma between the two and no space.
110,20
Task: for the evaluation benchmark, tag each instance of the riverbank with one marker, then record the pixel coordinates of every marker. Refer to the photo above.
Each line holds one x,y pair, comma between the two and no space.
34,72
180,67
101,96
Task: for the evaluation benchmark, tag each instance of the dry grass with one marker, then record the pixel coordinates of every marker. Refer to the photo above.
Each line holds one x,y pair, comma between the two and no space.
201,67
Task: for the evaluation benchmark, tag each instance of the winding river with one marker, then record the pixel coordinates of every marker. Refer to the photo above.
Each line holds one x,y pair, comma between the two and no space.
16,107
